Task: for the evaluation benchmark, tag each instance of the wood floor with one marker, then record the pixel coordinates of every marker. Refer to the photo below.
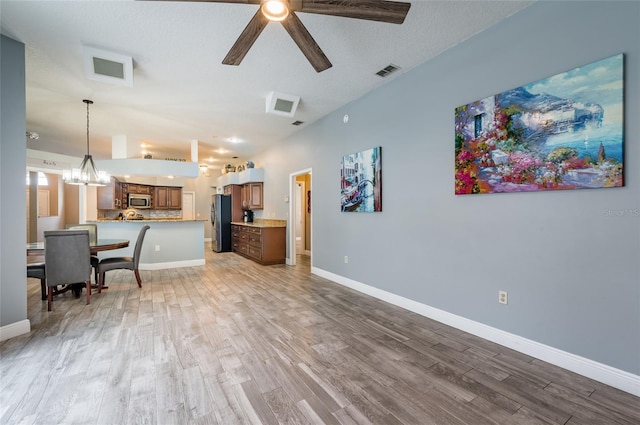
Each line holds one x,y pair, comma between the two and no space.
233,342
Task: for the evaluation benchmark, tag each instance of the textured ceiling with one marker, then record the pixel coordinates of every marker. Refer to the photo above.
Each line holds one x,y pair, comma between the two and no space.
181,90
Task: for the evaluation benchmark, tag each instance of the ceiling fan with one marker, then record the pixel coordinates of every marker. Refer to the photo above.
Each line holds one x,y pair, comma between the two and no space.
284,11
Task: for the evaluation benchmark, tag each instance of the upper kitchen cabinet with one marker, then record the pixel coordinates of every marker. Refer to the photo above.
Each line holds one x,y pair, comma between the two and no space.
110,197
252,196
168,198
141,189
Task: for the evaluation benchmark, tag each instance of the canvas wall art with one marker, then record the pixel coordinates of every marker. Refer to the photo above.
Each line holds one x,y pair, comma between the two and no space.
558,133
361,181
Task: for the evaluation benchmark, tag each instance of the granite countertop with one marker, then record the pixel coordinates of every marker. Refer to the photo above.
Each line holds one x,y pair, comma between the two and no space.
144,220
262,223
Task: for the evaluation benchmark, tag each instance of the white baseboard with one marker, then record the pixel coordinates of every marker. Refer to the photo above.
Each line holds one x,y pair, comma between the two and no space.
15,329
616,378
171,264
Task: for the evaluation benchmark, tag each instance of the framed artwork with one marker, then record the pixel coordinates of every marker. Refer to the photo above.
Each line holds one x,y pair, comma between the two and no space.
361,181
558,133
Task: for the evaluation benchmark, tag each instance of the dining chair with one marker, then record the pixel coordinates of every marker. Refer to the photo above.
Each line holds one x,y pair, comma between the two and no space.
37,271
129,263
66,259
93,239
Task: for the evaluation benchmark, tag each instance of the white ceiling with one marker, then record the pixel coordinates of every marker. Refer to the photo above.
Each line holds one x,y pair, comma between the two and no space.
181,90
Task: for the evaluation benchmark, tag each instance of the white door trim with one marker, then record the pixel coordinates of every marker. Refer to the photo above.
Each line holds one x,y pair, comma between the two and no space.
292,216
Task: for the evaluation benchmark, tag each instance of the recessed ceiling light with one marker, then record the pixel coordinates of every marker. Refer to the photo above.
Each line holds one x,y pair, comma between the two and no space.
234,140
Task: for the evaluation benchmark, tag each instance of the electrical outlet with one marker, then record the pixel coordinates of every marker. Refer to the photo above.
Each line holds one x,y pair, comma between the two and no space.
346,259
502,297
157,247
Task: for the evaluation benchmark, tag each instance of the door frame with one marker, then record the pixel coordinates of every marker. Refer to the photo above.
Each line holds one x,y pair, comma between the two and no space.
291,260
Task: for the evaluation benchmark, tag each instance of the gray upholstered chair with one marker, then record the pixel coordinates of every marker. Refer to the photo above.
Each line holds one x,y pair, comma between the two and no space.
37,271
66,258
129,263
93,239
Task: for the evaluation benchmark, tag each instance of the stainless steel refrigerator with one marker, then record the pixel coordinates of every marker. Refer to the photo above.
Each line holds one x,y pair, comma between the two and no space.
221,222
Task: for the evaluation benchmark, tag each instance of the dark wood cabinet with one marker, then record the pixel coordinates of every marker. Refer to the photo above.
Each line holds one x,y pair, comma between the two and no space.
264,245
252,196
141,189
167,198
235,191
111,196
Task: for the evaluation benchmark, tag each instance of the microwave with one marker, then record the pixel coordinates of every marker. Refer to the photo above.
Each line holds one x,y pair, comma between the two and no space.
139,201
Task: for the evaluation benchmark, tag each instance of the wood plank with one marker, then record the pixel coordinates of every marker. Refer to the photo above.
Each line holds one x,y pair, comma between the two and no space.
235,343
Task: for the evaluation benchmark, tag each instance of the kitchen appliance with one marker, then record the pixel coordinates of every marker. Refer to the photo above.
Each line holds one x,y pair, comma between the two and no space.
139,201
247,216
221,222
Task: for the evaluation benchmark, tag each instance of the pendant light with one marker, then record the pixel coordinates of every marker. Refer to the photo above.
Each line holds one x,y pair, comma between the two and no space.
87,174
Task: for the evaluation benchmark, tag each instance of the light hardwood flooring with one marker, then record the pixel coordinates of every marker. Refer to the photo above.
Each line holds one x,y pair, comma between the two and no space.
234,342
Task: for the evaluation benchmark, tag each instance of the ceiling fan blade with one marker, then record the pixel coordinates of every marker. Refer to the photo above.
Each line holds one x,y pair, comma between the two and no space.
248,36
392,12
306,43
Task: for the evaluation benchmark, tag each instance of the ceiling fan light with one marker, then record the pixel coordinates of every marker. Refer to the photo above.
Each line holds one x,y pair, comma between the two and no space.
275,10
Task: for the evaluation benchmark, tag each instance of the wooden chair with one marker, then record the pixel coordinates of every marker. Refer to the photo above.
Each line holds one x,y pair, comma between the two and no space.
93,239
129,263
67,260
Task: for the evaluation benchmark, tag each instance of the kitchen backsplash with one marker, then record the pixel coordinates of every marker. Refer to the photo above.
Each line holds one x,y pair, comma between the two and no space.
147,214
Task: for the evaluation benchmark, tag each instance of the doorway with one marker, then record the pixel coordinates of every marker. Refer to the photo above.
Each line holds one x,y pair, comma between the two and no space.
300,208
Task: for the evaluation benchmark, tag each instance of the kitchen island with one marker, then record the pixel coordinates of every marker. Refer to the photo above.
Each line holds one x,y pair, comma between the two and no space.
169,243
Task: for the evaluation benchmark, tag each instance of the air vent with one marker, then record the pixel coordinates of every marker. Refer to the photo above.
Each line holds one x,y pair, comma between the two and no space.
282,104
297,123
108,67
387,70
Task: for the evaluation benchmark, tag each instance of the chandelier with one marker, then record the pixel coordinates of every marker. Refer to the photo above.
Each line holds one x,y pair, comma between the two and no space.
86,174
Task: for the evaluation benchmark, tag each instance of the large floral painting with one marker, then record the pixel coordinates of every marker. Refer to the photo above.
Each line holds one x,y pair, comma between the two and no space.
562,132
361,181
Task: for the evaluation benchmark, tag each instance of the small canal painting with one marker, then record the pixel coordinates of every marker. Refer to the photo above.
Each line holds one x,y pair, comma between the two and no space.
558,133
361,181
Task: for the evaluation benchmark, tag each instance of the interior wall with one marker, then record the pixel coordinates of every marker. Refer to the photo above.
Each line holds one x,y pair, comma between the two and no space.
72,201
568,259
204,188
13,196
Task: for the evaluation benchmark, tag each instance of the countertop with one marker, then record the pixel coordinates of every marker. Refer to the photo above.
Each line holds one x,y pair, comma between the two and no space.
145,220
262,223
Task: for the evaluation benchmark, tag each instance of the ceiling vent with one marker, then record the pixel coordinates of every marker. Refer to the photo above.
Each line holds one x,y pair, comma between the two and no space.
387,70
282,104
108,67
297,122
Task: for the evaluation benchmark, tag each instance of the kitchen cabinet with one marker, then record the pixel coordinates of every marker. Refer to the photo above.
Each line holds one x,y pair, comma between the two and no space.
235,191
110,197
264,245
167,198
142,189
252,196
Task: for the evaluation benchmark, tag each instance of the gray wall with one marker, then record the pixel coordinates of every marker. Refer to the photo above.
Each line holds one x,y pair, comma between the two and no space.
13,197
571,268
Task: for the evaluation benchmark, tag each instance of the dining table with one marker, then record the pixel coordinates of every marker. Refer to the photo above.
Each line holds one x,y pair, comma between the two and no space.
35,252
37,248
